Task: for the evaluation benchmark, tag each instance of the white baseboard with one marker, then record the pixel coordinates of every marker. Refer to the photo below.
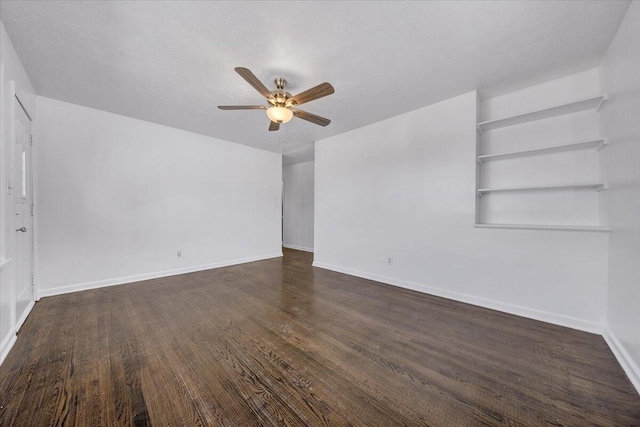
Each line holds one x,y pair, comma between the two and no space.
625,360
298,248
24,316
7,343
544,316
147,276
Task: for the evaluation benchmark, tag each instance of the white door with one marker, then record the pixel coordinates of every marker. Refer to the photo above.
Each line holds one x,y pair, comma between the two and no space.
23,200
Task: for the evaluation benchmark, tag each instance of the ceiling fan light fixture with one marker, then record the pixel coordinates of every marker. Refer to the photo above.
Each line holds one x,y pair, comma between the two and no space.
279,114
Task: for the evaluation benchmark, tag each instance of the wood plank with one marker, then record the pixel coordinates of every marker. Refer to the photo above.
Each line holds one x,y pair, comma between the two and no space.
278,342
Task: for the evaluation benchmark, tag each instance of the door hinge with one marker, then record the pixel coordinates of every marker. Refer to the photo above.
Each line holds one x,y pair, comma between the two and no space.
31,140
31,210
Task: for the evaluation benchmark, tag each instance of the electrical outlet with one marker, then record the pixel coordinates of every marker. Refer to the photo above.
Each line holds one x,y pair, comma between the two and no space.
179,254
389,261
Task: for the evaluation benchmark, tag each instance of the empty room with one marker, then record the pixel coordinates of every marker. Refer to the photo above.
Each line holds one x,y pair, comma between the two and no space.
319,213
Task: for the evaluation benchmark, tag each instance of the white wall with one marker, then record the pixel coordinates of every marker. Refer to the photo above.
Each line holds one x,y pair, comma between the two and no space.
118,197
13,78
621,121
405,188
298,206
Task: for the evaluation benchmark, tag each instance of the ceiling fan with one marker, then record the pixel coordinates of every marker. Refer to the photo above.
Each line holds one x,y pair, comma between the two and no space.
282,104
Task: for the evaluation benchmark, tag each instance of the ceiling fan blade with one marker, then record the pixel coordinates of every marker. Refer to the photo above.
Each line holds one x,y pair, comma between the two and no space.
323,89
274,126
242,107
253,81
310,117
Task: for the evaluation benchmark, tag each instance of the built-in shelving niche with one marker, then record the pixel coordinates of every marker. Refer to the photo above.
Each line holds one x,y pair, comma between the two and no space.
485,158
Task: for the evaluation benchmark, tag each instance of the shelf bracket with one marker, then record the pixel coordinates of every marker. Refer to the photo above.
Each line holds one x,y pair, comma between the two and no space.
604,98
605,141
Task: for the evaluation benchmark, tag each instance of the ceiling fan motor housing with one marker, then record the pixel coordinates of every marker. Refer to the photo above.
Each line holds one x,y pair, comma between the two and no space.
280,96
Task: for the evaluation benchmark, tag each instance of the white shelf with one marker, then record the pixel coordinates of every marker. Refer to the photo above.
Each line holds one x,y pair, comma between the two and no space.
545,227
558,110
598,144
598,186
3,262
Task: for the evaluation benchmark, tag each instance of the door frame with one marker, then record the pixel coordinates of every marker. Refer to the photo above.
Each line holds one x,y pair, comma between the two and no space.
18,100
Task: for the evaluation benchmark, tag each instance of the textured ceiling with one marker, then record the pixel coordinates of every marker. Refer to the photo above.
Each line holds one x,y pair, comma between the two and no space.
172,62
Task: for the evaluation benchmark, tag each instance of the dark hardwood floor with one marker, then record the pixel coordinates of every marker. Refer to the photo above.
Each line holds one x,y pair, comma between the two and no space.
279,342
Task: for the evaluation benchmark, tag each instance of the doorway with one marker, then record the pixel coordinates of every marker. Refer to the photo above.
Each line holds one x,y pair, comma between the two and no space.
23,213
